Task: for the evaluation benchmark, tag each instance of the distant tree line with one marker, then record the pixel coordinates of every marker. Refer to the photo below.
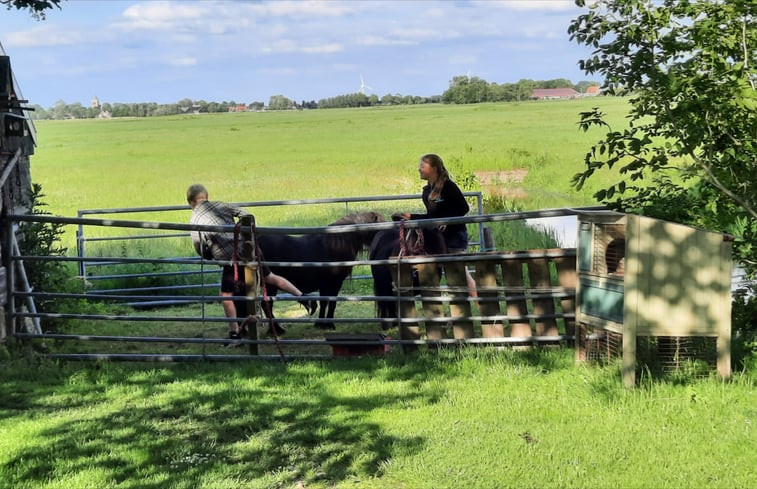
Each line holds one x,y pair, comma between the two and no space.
462,90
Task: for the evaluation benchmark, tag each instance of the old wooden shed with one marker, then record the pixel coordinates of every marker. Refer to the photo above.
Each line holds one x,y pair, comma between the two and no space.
17,143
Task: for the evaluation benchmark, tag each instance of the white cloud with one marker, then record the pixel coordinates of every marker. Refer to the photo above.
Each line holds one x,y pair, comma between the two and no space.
184,61
537,5
42,37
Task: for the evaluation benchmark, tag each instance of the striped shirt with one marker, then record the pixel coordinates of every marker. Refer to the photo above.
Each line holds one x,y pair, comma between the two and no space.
209,244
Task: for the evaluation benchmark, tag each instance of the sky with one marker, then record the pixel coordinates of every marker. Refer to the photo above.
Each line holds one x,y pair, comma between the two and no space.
164,51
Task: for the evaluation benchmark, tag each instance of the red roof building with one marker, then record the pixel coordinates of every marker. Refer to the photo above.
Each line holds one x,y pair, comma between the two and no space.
554,93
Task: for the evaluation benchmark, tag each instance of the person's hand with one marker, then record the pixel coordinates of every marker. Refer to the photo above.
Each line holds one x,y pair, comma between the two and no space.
310,306
398,216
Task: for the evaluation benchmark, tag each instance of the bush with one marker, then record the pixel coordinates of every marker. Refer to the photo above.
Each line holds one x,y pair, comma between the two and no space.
744,327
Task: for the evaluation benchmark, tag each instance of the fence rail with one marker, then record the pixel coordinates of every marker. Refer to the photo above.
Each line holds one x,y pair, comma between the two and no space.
502,301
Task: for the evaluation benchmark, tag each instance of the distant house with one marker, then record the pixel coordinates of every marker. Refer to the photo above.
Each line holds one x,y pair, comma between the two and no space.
237,108
592,91
554,93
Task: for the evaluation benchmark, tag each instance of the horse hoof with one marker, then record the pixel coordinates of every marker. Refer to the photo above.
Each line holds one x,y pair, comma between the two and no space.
328,326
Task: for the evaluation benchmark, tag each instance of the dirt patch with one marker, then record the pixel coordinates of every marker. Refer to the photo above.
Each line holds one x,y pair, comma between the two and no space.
500,183
501,177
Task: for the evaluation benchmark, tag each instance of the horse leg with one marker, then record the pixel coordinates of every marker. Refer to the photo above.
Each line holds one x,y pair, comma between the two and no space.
274,326
326,311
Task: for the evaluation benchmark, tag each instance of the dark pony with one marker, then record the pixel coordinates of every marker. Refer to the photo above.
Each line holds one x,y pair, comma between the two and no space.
325,247
387,244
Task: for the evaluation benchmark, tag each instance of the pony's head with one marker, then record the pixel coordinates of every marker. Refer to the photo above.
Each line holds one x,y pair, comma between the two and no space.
356,240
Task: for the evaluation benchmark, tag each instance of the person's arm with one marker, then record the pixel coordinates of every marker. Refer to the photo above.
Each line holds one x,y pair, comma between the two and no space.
282,283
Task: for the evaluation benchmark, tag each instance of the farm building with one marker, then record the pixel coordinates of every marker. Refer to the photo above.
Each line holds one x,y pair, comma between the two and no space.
554,93
17,142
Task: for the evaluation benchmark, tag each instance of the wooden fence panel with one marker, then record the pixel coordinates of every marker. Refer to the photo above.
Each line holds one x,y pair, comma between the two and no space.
513,284
540,281
512,279
460,305
486,285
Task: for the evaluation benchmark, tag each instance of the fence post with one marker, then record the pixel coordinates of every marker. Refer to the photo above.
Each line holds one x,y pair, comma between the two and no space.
512,280
459,306
405,309
567,278
486,286
251,278
428,279
540,281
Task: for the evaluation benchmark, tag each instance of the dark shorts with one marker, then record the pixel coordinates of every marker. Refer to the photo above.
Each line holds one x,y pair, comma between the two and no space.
227,277
457,241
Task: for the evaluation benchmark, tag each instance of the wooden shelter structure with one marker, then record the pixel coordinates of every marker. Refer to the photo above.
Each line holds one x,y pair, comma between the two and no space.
17,142
641,278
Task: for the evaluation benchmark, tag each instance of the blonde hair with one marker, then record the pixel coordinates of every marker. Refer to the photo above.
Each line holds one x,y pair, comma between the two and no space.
435,161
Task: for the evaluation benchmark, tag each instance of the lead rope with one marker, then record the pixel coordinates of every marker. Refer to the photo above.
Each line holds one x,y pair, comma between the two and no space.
266,299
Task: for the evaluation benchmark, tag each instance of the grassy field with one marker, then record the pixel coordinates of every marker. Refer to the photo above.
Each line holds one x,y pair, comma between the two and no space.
95,164
454,418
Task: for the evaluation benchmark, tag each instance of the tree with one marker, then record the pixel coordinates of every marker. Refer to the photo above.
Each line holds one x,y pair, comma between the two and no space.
690,150
279,102
36,7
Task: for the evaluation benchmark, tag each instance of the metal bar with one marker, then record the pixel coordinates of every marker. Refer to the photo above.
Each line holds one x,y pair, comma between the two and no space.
137,236
153,274
304,320
307,230
320,264
372,342
25,283
558,293
268,203
9,277
145,357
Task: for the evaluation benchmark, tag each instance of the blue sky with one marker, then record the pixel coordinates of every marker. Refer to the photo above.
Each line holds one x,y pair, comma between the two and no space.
164,51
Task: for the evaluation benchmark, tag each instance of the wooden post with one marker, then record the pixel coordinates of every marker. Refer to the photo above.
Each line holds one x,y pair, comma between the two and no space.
403,274
539,278
486,285
567,278
459,306
251,279
512,280
428,279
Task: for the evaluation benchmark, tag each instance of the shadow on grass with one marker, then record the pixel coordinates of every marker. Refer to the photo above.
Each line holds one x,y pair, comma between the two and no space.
249,425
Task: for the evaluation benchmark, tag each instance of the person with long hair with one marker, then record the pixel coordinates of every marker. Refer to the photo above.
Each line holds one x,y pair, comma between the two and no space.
442,198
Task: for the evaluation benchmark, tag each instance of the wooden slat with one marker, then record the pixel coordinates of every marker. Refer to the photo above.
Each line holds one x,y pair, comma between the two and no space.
512,277
567,277
486,278
403,275
539,276
428,279
459,306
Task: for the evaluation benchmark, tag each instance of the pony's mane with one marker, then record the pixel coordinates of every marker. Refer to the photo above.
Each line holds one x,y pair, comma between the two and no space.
359,218
353,242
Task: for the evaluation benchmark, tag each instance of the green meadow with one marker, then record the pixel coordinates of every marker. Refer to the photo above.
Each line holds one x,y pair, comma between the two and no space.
263,156
459,417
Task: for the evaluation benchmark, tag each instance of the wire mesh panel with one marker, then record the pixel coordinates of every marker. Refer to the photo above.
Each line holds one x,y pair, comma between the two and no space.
667,355
609,249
